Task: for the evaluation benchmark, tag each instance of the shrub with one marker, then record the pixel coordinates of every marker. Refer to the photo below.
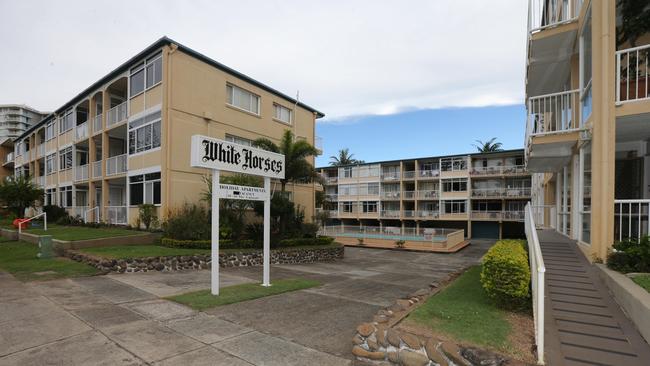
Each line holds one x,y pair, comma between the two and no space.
399,244
54,212
299,242
360,240
147,215
506,274
190,222
630,256
308,230
207,244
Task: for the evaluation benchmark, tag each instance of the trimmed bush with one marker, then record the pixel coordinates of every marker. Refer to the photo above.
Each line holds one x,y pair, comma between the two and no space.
630,256
206,244
300,242
190,222
506,274
54,212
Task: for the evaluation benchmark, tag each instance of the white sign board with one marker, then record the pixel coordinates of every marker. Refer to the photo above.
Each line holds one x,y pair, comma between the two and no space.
216,154
235,192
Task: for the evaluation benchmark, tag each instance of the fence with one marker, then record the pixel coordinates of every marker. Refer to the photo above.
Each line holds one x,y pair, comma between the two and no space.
537,271
631,219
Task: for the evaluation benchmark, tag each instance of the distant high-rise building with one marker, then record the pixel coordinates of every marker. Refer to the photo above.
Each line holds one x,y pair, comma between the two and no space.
16,118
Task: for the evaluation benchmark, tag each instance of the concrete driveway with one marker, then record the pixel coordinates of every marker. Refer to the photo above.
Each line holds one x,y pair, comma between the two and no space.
122,320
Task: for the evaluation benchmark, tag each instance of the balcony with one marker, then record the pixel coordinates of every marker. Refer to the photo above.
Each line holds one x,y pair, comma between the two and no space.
543,14
390,214
498,170
40,151
631,219
332,197
427,195
632,71
428,174
409,195
81,173
117,115
388,176
81,131
427,214
390,196
97,169
408,214
116,215
97,124
500,192
330,180
9,159
78,211
487,215
552,130
408,175
116,165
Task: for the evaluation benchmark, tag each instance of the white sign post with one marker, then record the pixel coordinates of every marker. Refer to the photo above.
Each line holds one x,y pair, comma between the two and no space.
217,155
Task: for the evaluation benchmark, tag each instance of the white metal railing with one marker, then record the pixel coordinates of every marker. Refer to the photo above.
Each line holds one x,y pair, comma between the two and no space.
498,170
116,164
486,215
97,123
40,180
116,114
408,213
632,74
390,213
632,220
95,210
514,215
429,173
545,216
408,174
552,113
427,213
389,232
78,211
44,214
40,151
97,169
537,271
390,176
81,172
409,195
544,14
488,192
330,180
390,195
116,215
81,131
427,194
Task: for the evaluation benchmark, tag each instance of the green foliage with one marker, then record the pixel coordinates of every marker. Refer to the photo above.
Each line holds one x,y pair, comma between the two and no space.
206,244
630,256
488,146
399,244
303,242
344,158
19,192
190,222
308,230
141,251
54,212
634,21
506,274
147,215
643,281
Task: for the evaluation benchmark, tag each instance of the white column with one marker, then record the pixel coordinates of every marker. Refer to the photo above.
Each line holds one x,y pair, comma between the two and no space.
267,233
215,233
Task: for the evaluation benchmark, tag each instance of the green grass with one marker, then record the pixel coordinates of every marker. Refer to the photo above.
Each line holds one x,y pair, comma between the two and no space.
464,312
201,300
137,251
72,233
643,281
19,259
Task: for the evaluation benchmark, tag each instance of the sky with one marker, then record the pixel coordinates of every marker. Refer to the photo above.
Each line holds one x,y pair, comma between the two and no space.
370,66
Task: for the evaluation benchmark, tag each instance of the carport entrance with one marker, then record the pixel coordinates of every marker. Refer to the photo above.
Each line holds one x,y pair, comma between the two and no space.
485,230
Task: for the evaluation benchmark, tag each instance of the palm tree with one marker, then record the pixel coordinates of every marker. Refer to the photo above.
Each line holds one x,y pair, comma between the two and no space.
296,166
488,146
18,193
344,158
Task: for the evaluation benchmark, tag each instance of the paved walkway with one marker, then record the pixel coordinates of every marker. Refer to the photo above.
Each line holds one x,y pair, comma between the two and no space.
584,325
122,319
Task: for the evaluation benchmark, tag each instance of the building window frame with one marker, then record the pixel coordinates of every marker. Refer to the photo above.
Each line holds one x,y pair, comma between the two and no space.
282,114
66,122
149,81
50,164
65,158
150,190
65,196
454,185
145,133
231,90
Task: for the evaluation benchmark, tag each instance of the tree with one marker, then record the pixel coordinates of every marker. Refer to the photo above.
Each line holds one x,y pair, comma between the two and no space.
18,193
344,158
488,146
634,21
296,166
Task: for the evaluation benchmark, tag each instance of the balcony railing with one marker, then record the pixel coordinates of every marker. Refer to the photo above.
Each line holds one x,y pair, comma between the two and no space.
97,123
486,215
10,158
40,151
116,115
632,72
429,214
409,195
631,220
116,165
408,213
423,174
116,215
39,181
390,213
78,211
331,196
552,113
331,180
81,172
427,195
501,192
498,170
97,169
81,131
390,195
544,14
408,175
390,176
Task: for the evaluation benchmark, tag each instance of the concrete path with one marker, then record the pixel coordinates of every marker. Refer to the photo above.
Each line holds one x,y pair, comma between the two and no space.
584,325
122,320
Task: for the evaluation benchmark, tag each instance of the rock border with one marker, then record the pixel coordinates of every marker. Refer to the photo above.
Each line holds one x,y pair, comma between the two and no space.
245,258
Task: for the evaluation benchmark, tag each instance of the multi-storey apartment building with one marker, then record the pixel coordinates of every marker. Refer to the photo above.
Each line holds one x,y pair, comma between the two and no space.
14,120
125,140
588,125
483,193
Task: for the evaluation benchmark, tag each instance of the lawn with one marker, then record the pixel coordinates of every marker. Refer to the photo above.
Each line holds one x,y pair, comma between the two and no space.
72,233
19,259
643,281
201,300
137,251
464,312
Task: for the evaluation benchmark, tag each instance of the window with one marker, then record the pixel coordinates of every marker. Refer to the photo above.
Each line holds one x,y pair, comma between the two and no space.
65,158
239,140
146,75
50,164
50,196
144,188
282,113
586,68
369,206
348,190
144,133
66,122
346,207
451,164
65,196
346,172
19,148
242,99
454,206
454,185
50,129
369,189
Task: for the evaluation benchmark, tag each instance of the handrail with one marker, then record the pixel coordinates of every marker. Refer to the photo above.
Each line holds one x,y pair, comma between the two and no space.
44,214
90,210
537,270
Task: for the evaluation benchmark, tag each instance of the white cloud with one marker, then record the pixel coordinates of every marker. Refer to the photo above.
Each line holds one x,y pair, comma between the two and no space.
347,58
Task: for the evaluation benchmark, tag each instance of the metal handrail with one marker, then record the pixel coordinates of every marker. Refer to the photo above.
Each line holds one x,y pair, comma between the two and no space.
537,270
90,210
44,214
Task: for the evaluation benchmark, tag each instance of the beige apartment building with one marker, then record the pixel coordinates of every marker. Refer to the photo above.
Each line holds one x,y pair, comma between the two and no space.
483,194
125,140
588,125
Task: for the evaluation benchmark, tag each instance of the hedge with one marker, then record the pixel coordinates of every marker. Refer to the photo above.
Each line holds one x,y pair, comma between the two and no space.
506,273
244,244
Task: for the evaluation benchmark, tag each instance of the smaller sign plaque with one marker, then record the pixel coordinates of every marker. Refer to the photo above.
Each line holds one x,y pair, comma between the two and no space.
235,192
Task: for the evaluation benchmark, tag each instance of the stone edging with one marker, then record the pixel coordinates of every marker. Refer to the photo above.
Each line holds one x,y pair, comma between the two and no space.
203,261
380,341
